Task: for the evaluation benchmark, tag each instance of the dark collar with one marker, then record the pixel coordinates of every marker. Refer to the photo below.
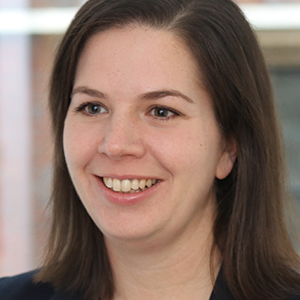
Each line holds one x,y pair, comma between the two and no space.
221,290
65,296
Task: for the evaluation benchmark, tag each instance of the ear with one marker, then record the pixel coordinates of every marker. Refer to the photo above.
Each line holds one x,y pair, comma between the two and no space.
227,159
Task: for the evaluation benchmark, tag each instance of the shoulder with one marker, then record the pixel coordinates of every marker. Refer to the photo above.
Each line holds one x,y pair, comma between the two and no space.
295,298
22,287
221,290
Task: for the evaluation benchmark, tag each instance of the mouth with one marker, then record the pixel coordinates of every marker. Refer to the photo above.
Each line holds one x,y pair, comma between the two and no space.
129,185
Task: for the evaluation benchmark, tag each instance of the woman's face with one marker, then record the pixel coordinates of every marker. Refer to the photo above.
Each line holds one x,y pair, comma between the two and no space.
139,113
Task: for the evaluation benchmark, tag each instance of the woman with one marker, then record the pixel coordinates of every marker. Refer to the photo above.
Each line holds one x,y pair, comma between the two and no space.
168,180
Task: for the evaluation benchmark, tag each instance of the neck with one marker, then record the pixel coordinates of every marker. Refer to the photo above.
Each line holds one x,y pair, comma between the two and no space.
179,269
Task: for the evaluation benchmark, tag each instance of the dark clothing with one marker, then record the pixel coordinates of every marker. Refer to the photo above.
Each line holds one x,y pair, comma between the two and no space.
21,287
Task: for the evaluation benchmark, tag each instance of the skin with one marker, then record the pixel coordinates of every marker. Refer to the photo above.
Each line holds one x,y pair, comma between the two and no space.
159,247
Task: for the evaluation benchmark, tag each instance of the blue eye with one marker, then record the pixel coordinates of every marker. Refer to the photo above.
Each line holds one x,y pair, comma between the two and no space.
91,109
163,113
94,109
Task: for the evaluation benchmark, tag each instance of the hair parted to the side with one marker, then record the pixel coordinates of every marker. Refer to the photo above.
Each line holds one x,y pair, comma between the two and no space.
259,261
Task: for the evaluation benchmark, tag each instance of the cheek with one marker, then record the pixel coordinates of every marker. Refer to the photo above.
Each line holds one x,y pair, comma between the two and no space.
195,140
180,149
78,145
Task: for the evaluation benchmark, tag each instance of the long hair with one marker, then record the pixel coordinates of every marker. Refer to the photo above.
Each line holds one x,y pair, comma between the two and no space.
259,261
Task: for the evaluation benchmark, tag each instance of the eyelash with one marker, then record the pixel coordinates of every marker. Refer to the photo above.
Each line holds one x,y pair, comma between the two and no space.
174,113
82,108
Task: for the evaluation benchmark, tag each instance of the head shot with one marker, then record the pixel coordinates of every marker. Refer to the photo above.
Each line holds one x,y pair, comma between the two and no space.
169,178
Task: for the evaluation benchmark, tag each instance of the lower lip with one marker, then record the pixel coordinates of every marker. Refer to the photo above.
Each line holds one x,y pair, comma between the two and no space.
126,198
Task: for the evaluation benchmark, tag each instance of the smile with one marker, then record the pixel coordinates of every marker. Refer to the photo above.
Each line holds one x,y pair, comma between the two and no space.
127,185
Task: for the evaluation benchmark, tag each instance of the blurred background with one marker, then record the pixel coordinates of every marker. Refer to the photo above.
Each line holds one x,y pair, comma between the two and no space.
29,34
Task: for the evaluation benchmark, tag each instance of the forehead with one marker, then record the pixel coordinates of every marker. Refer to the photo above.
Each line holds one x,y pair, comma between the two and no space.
135,35
140,50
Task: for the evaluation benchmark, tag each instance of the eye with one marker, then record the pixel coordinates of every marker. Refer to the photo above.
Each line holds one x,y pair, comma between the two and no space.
163,113
91,109
94,109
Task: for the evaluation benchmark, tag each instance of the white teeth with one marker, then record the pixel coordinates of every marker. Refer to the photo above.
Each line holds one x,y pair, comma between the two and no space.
105,179
142,184
127,185
149,183
135,184
116,185
109,183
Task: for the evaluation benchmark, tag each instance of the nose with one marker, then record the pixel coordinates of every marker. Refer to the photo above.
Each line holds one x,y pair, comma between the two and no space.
122,137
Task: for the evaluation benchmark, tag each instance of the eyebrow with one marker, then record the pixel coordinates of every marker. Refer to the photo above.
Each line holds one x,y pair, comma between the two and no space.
88,91
155,95
165,93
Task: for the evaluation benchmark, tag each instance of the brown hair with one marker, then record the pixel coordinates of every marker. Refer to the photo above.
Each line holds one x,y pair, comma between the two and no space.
250,230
